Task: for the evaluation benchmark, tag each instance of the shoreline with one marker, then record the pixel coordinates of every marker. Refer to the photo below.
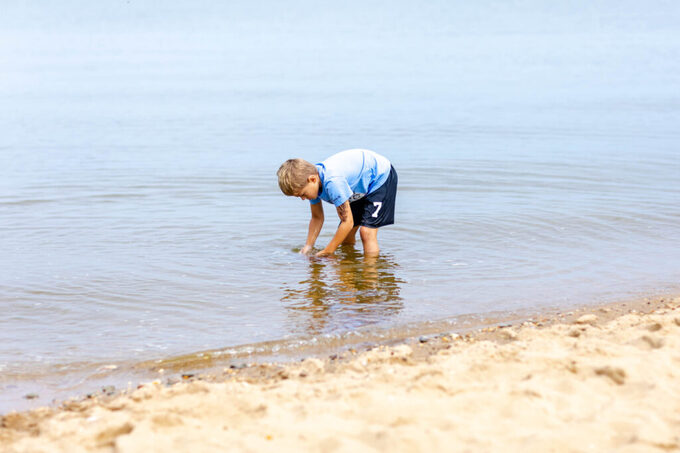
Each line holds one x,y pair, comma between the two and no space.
119,377
605,372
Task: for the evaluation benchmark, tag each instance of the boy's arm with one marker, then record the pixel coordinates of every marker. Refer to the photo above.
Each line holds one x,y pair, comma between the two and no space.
315,224
346,225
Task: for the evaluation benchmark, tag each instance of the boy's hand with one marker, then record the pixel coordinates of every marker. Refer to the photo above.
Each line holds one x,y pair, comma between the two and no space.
306,249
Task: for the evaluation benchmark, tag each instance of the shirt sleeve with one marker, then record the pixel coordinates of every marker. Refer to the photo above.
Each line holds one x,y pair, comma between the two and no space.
317,200
338,191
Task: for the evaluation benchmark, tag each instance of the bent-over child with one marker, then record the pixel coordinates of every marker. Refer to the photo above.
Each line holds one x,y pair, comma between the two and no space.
361,184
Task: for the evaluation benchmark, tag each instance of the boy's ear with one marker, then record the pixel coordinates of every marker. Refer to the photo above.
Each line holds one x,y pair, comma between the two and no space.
312,178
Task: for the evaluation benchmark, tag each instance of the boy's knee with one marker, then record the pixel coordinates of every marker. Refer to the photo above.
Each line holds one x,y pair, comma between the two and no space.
369,237
368,234
351,236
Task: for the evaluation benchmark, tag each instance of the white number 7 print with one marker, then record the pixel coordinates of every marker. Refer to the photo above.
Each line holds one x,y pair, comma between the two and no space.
379,205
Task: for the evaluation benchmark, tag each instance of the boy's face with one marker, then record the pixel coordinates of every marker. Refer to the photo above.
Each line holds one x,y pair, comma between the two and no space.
311,190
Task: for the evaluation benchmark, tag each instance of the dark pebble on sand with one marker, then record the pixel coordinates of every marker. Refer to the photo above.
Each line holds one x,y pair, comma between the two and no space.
423,339
187,376
31,396
333,357
109,390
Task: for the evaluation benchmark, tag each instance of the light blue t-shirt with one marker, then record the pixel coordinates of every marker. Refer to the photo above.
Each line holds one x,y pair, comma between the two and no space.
355,172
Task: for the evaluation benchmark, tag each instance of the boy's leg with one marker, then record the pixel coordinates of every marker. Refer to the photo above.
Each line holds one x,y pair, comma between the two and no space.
351,237
369,237
378,210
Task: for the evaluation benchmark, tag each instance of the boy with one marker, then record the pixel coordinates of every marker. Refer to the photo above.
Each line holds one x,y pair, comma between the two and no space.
360,183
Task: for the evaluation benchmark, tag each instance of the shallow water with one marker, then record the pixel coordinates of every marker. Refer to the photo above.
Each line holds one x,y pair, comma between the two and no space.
537,152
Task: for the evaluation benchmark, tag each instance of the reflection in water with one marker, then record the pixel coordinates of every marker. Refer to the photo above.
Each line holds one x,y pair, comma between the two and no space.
344,291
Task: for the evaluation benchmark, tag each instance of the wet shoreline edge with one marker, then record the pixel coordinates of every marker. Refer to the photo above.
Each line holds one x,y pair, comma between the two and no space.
425,338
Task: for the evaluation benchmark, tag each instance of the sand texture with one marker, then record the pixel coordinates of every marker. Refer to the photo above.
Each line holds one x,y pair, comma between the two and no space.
589,384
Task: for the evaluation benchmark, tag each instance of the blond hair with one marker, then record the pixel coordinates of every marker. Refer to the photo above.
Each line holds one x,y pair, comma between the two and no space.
293,175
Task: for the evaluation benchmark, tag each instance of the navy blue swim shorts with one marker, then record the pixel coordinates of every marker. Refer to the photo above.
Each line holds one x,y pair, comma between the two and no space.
377,209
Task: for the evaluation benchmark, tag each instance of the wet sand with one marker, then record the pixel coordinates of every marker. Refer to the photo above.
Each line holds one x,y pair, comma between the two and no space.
596,379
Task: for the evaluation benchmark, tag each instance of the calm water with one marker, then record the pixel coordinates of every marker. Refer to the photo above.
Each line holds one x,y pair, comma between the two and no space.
538,152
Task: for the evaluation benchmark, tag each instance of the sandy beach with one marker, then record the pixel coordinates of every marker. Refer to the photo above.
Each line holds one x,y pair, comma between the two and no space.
597,379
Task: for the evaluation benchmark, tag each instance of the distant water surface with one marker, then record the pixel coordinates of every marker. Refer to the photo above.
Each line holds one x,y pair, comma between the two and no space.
537,149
